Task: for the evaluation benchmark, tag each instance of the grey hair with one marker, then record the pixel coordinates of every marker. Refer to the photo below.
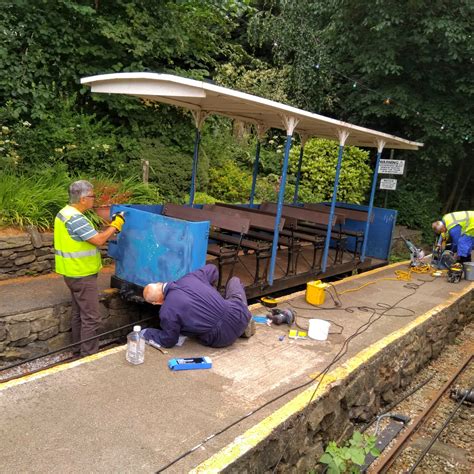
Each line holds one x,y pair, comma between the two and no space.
79,189
438,226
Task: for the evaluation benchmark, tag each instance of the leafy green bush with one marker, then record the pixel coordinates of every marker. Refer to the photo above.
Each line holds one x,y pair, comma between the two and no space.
170,168
318,171
80,141
229,183
202,198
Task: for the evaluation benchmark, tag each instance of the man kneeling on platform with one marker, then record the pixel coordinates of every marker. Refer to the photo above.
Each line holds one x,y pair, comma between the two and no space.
191,306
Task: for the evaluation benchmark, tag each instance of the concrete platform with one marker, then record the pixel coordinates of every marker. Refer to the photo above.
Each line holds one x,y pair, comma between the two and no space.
24,294
100,414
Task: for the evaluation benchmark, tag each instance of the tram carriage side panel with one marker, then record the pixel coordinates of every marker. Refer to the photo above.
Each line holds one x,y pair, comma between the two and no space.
154,247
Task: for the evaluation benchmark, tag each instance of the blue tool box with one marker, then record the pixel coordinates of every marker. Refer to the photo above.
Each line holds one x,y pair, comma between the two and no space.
190,363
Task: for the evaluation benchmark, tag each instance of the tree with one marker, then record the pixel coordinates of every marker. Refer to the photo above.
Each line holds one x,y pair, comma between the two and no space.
399,67
318,171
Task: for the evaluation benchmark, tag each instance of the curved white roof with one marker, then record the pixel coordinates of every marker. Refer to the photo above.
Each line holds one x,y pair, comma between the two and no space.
211,99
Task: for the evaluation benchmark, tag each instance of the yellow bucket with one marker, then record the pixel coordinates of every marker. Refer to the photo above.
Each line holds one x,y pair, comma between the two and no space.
315,293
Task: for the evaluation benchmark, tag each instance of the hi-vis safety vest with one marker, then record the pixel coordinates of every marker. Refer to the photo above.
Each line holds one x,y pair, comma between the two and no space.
72,258
463,218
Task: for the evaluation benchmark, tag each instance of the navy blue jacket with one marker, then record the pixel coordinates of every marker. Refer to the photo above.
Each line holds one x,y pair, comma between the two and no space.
193,307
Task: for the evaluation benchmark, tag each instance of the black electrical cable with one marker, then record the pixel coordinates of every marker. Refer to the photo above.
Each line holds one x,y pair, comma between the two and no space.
364,309
320,376
397,402
309,317
187,453
16,364
343,351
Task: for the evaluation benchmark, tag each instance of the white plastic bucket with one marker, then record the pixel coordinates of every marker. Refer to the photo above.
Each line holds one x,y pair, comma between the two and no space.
469,271
318,329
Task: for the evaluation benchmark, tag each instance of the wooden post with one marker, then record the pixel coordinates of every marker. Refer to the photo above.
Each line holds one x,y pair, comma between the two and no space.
145,170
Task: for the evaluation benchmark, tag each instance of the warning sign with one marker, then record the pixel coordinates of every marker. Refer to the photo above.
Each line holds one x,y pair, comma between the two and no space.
389,184
391,166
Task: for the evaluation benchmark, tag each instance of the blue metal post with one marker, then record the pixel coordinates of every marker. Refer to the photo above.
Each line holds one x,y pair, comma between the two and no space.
255,172
333,206
298,175
195,164
371,205
281,198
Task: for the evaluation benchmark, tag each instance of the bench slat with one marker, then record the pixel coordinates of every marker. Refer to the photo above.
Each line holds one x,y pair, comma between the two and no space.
352,214
303,214
257,219
222,221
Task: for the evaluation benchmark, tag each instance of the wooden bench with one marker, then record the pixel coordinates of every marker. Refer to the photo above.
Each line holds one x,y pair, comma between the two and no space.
352,214
262,226
314,223
229,244
289,229
260,229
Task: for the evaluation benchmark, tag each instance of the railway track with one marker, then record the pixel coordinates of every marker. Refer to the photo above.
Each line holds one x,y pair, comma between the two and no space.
440,435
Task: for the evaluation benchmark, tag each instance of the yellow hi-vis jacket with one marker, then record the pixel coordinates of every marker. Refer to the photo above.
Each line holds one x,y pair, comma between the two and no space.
73,258
463,218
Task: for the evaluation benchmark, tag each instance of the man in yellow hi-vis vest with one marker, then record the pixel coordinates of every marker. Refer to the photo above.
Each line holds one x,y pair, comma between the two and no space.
458,228
77,258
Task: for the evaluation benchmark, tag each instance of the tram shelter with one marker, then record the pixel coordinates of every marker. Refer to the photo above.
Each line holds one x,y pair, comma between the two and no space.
370,236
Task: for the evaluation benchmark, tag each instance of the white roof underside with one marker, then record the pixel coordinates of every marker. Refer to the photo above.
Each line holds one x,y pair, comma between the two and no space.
212,99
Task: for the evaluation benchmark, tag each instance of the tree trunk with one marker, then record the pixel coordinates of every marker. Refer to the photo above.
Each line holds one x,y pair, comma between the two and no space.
448,206
465,184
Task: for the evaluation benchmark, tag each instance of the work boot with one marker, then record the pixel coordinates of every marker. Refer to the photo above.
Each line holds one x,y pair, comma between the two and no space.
250,330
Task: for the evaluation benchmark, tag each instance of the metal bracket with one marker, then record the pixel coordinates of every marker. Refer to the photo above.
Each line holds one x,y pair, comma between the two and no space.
397,423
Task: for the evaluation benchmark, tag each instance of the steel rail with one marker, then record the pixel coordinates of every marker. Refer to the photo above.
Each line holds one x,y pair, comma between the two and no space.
438,433
385,461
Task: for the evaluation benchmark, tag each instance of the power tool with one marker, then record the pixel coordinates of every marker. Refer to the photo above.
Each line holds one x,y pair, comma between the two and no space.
282,316
416,254
442,258
455,272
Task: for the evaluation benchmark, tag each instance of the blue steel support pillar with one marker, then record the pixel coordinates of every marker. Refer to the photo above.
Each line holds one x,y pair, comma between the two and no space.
342,140
298,174
380,146
281,198
197,139
255,172
199,117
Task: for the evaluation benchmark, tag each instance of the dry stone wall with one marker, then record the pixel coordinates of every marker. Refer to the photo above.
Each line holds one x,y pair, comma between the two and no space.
300,441
26,335
28,253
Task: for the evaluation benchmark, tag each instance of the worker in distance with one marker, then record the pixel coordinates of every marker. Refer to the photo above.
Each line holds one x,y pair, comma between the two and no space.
192,306
457,228
77,258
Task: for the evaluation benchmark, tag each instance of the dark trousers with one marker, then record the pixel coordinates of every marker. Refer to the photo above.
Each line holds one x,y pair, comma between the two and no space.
84,311
235,290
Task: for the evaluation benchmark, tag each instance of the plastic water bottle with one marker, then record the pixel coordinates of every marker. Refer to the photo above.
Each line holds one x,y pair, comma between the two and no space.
135,347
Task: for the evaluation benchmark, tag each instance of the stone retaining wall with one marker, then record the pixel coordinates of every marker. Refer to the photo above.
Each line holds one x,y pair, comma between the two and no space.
28,253
31,334
358,397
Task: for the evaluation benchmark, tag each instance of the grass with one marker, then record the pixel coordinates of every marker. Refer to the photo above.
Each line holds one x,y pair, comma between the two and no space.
31,200
36,199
